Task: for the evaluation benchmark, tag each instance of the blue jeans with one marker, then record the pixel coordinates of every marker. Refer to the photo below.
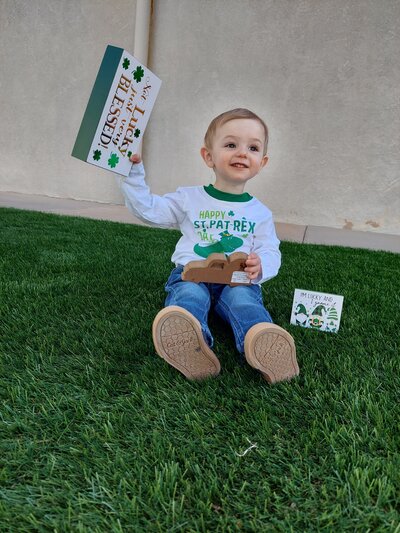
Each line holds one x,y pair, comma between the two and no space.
241,306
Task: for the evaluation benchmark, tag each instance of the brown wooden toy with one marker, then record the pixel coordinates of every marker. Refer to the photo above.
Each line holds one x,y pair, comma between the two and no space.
218,268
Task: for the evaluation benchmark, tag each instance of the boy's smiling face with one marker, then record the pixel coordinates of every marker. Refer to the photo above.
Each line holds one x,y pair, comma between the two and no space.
236,154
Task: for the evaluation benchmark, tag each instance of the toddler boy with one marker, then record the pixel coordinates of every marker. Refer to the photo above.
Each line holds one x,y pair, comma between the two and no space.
218,218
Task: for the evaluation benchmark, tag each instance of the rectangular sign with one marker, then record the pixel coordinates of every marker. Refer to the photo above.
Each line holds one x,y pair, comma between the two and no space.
117,113
316,310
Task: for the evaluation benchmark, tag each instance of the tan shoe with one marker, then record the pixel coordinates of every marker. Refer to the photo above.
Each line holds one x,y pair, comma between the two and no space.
178,339
271,350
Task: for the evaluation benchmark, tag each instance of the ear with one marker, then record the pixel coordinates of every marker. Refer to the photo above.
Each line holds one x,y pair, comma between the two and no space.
207,157
264,161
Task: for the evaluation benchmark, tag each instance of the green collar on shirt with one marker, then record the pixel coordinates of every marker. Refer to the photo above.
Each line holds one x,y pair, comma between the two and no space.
227,196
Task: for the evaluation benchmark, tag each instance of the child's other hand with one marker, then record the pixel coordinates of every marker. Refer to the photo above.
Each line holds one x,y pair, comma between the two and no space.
253,266
135,159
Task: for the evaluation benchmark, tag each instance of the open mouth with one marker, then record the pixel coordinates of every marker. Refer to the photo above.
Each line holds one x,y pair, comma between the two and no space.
239,165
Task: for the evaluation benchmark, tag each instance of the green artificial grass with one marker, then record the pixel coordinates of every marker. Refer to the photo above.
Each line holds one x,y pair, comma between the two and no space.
99,434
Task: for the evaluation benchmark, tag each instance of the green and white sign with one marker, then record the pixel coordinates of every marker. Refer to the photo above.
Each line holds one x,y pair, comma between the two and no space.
117,113
316,310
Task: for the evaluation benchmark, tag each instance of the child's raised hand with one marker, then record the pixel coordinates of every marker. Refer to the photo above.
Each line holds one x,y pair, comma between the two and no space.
135,159
253,266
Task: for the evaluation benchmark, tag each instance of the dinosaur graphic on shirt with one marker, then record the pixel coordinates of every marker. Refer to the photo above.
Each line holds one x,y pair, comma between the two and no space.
227,244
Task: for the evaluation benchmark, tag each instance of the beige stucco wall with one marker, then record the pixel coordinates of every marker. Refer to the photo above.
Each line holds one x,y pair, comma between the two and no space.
324,74
50,53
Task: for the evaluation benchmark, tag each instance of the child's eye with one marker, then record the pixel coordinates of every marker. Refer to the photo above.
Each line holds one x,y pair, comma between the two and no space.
254,149
230,145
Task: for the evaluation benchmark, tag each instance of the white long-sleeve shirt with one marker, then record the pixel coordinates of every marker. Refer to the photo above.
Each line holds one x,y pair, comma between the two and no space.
209,220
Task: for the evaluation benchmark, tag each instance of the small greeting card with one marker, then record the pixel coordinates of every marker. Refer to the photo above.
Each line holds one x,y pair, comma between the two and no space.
117,113
316,310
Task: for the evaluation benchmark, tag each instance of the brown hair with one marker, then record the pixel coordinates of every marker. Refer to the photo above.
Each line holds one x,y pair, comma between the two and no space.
222,119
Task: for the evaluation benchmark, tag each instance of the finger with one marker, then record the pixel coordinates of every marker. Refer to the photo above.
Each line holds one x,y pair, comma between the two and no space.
253,255
254,263
253,269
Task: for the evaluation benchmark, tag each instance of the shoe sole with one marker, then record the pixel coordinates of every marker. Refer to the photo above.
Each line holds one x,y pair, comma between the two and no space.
271,350
178,339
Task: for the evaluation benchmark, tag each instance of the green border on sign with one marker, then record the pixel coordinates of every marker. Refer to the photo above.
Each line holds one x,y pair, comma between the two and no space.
97,100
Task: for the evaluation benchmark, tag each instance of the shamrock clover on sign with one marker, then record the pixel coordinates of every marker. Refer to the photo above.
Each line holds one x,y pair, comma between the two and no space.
113,161
97,155
231,213
126,63
138,74
137,133
129,153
